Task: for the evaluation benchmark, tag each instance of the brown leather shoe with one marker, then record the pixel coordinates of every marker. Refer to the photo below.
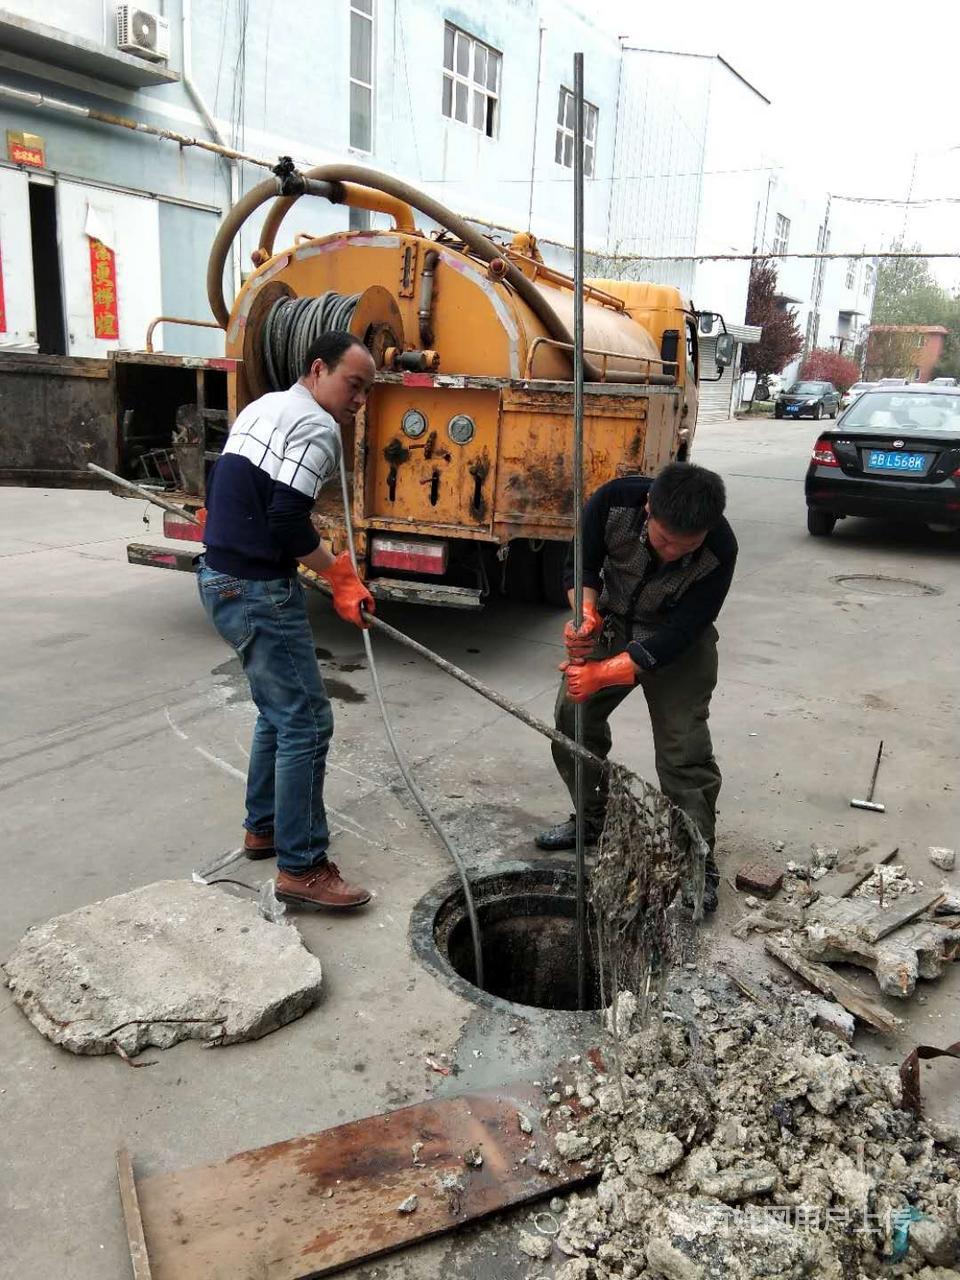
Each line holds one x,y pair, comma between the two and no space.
256,847
321,886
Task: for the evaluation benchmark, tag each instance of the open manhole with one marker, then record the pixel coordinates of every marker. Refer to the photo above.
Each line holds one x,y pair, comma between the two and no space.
527,916
878,584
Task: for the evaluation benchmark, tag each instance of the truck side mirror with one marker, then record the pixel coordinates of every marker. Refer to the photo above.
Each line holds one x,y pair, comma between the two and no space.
726,349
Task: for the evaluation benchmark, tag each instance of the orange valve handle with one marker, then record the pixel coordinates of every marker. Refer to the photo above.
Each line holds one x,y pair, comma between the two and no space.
351,599
586,678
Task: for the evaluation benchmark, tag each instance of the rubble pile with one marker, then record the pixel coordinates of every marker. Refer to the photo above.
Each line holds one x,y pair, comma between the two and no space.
739,1139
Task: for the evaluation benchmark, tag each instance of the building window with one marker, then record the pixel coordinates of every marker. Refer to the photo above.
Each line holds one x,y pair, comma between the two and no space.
916,375
920,340
867,278
471,81
563,152
361,74
781,235
851,272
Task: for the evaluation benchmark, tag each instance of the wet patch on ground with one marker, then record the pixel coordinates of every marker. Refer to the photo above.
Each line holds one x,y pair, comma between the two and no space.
230,674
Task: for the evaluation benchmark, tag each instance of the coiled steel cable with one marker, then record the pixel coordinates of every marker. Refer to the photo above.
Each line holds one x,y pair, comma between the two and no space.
293,325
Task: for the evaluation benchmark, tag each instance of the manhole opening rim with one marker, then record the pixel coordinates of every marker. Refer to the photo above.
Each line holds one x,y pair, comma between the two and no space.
863,581
426,946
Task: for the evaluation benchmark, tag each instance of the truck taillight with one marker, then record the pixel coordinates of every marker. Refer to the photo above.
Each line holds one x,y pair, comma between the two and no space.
175,526
412,555
823,454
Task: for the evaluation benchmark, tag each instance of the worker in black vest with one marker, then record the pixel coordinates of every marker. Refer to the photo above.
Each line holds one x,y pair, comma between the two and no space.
658,559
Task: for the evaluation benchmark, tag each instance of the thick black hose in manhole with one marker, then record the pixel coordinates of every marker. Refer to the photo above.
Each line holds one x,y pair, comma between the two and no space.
293,324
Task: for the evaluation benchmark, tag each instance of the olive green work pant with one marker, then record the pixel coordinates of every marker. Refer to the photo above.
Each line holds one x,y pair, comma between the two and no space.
678,699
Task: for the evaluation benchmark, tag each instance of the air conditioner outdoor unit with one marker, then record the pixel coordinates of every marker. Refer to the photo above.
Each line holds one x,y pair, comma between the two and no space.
143,33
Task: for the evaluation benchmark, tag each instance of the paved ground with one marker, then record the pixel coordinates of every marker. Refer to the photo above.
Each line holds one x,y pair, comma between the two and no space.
123,746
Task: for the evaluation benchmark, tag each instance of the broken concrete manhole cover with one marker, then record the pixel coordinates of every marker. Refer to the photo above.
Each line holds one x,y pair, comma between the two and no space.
878,584
171,961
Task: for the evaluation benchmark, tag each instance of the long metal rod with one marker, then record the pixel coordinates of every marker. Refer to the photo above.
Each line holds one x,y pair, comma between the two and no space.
491,695
578,356
147,494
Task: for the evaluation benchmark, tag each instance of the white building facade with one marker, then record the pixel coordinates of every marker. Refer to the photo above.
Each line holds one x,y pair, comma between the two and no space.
473,105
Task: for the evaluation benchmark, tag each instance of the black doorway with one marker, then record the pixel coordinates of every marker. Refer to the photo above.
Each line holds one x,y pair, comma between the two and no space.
47,284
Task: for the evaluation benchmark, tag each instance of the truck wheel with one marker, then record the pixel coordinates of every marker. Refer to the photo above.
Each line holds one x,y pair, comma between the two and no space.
522,583
820,523
553,560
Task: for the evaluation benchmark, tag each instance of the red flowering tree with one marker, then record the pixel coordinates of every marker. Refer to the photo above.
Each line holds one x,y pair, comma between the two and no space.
830,366
781,339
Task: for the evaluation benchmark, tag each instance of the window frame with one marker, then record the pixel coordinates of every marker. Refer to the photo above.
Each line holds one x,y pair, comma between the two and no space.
564,133
358,12
781,244
474,87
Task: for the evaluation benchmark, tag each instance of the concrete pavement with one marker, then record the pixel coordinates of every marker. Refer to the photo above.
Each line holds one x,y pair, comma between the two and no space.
123,747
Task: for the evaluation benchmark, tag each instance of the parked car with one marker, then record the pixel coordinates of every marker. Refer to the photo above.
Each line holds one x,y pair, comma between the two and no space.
894,453
893,382
769,386
943,382
851,393
808,399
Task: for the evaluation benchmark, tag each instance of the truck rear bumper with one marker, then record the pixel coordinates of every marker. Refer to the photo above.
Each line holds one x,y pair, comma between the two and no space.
405,591
163,557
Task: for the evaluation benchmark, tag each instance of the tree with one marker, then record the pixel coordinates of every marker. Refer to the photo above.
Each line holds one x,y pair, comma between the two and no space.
781,339
948,366
890,354
830,366
906,291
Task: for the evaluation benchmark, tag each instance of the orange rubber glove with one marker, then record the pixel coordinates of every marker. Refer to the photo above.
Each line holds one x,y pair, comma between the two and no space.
586,678
580,640
349,593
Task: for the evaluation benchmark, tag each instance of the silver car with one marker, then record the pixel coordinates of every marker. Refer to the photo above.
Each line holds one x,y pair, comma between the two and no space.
851,394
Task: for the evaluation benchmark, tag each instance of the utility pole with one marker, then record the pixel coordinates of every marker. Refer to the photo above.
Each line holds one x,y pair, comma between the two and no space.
813,326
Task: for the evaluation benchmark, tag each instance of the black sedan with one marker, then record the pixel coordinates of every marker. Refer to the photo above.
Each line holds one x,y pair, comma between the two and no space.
895,453
808,400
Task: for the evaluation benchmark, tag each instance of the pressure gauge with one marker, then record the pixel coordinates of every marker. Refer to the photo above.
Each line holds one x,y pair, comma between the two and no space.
461,429
413,424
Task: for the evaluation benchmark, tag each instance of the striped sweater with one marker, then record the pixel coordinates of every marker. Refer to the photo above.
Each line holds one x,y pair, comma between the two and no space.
280,451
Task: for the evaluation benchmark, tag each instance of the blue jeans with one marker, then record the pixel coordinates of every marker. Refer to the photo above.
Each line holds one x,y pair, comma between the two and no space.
266,623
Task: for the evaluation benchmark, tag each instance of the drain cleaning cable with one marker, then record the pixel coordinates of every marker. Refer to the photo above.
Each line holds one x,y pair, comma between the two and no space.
399,756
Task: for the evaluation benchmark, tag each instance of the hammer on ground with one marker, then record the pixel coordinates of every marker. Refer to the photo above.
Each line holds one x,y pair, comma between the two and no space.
869,803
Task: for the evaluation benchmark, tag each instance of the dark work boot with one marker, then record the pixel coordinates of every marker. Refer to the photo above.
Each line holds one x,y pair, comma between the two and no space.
564,835
711,888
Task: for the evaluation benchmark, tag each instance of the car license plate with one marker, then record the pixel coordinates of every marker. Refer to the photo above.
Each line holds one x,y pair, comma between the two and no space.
792,408
888,460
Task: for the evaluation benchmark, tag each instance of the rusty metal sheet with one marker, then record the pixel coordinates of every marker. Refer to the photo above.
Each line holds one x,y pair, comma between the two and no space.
910,1073
314,1205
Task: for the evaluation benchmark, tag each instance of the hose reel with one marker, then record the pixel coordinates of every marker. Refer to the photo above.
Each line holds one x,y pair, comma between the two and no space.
281,327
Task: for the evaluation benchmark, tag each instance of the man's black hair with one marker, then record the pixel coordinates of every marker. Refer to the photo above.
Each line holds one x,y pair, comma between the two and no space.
687,498
329,348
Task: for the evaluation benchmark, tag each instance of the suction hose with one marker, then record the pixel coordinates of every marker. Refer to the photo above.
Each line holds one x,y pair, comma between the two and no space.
335,176
401,760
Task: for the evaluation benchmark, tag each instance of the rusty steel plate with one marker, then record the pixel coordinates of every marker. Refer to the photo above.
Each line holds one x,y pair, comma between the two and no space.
311,1206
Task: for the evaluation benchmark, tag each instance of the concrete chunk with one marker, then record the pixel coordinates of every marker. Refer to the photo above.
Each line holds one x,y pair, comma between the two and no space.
170,961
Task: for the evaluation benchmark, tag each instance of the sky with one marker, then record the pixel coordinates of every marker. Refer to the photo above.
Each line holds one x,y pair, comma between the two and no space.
862,97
